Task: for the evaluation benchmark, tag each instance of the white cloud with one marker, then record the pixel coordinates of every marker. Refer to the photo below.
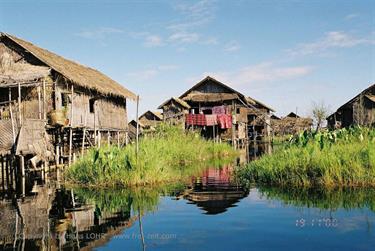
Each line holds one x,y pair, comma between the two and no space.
232,46
333,39
153,41
184,37
351,16
209,41
260,73
99,33
193,14
150,73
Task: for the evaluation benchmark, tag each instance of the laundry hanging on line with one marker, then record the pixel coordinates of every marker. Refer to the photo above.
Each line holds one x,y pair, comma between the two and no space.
218,110
211,120
224,121
196,119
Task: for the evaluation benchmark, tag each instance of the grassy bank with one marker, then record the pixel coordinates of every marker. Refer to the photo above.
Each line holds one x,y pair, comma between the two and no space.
344,157
170,154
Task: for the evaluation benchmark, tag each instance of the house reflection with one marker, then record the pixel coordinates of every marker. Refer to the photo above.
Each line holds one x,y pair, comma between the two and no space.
51,219
215,191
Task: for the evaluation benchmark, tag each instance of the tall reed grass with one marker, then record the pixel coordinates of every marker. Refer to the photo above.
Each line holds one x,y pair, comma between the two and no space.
170,154
344,157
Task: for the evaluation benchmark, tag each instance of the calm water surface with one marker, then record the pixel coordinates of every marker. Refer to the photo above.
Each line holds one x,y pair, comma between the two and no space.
210,212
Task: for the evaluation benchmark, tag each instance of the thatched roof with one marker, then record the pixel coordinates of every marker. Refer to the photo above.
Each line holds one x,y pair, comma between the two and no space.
371,98
156,114
177,100
189,95
78,74
210,97
368,93
256,102
292,115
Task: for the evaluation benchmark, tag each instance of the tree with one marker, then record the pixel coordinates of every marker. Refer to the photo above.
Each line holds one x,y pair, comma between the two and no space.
319,112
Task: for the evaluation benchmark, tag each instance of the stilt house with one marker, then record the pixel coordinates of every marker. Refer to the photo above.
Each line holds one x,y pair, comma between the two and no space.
51,106
358,111
224,113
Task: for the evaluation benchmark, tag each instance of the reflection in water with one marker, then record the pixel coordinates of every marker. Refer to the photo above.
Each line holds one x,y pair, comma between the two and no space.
70,219
214,191
328,199
54,217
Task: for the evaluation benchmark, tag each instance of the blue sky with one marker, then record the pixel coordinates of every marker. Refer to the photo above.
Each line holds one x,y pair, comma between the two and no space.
287,54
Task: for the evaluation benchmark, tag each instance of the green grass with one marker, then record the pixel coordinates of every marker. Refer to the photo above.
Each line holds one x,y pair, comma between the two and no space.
170,154
344,157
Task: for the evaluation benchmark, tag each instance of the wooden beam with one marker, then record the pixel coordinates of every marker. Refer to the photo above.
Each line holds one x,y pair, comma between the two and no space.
19,105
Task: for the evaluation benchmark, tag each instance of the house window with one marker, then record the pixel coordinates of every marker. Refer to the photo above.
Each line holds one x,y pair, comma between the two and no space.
238,110
92,105
64,99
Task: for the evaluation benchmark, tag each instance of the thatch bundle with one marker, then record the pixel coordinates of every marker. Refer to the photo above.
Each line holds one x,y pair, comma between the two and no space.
288,125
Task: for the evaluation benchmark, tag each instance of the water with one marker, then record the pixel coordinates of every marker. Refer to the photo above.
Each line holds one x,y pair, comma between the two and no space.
210,212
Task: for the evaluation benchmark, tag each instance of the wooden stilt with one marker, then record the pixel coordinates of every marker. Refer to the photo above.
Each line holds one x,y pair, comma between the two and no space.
108,138
118,139
44,100
7,173
22,166
137,134
95,129
19,104
39,103
71,127
84,135
2,173
99,138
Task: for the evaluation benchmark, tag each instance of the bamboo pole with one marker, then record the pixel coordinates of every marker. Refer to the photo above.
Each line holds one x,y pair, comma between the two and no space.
44,99
84,134
95,140
11,118
22,166
2,173
39,103
71,127
118,139
137,134
19,104
108,138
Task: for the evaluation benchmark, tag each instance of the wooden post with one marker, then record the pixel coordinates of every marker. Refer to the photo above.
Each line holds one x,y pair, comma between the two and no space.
99,138
22,166
233,126
11,118
39,103
95,140
7,172
2,173
84,134
137,134
44,99
118,139
108,138
57,155
19,104
213,133
71,127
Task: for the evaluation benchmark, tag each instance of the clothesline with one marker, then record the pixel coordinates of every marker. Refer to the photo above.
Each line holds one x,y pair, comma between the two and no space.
223,120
